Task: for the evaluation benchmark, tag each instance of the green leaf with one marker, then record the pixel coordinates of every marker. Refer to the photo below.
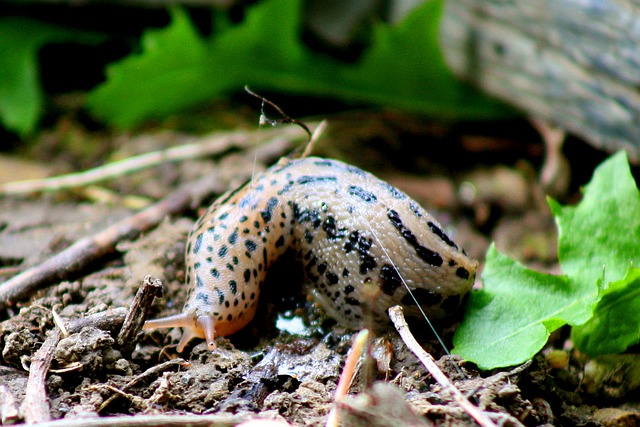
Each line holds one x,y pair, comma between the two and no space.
168,75
21,96
510,320
616,321
178,68
598,242
603,231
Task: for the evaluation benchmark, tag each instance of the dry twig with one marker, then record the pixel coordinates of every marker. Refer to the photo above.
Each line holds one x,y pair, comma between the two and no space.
152,421
90,249
397,317
348,373
152,372
215,144
138,313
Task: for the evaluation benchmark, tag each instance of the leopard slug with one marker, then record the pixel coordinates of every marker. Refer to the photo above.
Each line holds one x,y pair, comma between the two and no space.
346,227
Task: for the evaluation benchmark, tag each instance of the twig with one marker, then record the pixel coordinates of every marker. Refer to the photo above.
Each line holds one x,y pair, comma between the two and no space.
348,373
152,421
109,320
138,313
35,407
317,133
154,371
397,317
285,117
90,249
215,144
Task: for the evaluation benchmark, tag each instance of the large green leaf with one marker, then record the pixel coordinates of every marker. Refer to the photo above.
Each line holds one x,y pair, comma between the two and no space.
508,321
178,68
168,75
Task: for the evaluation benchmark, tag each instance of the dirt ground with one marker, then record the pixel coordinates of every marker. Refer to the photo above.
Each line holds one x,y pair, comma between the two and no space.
285,365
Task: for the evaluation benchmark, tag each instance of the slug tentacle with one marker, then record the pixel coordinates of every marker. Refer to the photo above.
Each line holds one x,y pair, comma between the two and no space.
322,210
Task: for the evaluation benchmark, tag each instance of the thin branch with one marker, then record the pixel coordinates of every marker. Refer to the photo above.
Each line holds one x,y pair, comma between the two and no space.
348,373
397,317
90,249
285,117
138,313
222,420
212,145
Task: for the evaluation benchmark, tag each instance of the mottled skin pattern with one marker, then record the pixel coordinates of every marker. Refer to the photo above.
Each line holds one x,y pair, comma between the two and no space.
359,239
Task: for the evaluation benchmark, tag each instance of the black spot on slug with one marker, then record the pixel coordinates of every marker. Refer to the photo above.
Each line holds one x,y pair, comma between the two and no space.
451,303
222,252
233,237
220,295
395,193
267,213
442,235
250,245
308,236
390,279
306,179
360,192
215,273
351,301
462,273
322,268
247,275
201,296
280,242
332,278
427,255
233,286
197,244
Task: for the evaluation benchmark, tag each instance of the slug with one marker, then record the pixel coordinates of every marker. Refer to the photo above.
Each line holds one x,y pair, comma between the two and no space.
350,231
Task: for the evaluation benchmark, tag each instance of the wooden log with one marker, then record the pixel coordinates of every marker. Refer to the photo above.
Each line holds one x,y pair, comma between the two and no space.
574,63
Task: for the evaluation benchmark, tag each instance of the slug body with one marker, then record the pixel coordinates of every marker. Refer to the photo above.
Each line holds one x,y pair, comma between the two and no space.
361,242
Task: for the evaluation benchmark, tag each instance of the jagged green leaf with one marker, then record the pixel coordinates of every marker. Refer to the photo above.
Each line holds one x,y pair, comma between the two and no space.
168,75
598,243
510,320
178,68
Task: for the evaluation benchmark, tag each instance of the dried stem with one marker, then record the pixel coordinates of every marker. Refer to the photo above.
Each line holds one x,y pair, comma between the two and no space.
88,250
215,144
397,317
138,313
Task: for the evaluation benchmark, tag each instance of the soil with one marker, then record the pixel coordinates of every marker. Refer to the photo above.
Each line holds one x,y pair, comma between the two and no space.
286,364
